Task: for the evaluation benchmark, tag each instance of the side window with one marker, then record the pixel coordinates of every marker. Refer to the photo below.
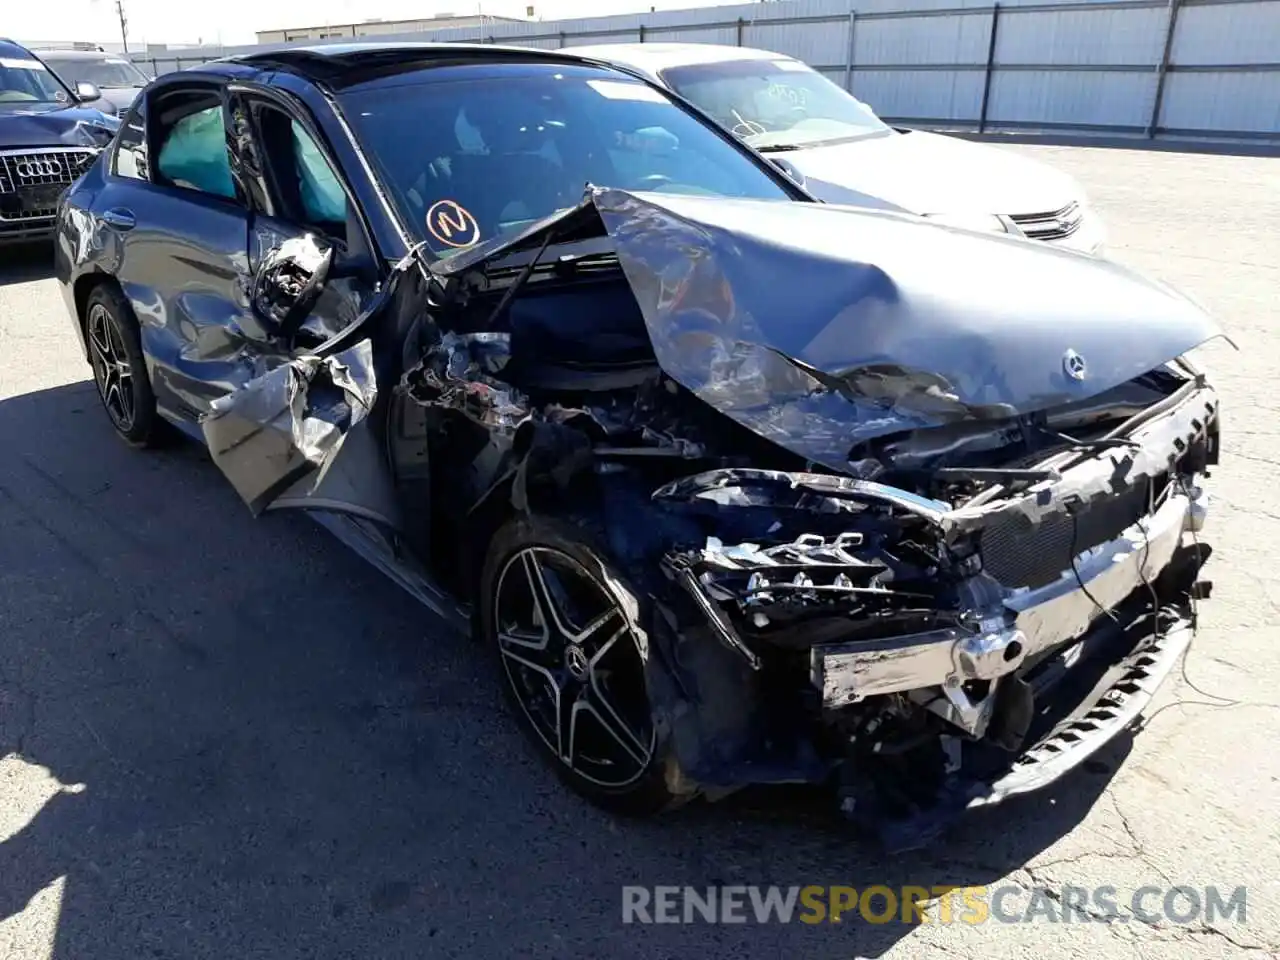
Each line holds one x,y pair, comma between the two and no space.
305,187
131,145
193,154
323,200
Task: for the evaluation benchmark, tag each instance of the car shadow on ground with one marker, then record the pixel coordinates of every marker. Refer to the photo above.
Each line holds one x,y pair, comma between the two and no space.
23,263
233,738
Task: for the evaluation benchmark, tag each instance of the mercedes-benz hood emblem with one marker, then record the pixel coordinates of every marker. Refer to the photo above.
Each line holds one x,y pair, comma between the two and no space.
1073,365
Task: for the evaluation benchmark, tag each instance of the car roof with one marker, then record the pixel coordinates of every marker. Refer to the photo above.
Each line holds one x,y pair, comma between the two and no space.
334,61
78,55
653,57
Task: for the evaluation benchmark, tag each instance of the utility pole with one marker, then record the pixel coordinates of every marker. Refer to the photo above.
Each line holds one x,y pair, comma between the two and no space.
124,25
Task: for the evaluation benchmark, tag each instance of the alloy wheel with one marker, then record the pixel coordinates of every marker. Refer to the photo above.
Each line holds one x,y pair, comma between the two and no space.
112,371
575,666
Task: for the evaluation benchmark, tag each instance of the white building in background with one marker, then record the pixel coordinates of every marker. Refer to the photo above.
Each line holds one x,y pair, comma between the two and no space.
372,28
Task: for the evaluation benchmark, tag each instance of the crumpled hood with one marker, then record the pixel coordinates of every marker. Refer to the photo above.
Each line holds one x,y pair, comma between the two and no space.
819,326
50,125
922,172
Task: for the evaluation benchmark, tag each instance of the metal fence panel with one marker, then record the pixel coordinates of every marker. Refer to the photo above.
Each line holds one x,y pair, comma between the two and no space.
571,41
1097,37
1228,33
955,39
696,34
1076,98
819,44
1237,101
935,95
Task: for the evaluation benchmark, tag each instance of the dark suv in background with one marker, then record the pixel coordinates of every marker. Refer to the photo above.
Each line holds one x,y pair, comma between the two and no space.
49,135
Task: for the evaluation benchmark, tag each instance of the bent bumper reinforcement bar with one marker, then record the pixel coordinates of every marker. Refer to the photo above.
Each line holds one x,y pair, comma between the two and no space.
1137,678
1033,620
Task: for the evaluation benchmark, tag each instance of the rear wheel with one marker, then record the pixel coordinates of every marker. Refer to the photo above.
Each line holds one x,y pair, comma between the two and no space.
119,371
564,625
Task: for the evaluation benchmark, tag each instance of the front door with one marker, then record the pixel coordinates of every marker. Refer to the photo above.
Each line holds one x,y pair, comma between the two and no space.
180,230
219,210
303,434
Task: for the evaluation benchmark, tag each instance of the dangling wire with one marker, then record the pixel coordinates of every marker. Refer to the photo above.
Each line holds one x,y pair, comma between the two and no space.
1075,533
1146,553
1195,615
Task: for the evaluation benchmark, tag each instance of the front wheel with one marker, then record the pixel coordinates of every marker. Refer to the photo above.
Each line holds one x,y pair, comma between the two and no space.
572,660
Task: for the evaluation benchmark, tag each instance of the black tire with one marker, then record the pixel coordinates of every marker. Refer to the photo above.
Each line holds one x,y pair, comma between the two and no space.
632,782
114,342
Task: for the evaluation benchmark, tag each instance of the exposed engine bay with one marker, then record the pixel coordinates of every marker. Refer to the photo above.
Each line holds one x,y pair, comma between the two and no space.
892,577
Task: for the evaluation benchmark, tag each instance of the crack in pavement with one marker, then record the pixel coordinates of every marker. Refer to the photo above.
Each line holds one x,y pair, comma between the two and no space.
1270,461
1140,848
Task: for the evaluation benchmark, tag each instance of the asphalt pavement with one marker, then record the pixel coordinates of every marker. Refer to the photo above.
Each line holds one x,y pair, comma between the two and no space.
228,737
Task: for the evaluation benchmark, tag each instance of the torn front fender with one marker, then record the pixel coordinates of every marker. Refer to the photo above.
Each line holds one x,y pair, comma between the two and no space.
289,422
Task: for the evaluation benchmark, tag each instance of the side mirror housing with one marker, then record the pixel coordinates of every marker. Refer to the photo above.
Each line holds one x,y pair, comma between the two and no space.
289,281
87,92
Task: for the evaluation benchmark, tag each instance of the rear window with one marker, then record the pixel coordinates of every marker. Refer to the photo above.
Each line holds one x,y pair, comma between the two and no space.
470,159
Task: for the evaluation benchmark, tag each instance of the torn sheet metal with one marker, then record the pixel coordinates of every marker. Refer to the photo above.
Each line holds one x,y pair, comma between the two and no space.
290,421
750,486
818,326
289,277
460,373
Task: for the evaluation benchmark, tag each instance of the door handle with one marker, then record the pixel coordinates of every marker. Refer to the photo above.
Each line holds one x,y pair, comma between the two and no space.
120,218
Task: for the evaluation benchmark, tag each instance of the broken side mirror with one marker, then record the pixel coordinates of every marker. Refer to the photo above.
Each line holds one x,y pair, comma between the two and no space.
289,281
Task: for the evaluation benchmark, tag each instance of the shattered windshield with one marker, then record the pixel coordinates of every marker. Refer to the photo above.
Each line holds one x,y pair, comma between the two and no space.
25,80
470,156
107,72
777,104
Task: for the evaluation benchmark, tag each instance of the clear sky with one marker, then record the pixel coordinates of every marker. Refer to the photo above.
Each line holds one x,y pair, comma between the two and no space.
235,21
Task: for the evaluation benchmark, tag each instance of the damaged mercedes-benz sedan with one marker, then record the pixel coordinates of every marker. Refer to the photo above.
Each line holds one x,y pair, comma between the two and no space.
740,488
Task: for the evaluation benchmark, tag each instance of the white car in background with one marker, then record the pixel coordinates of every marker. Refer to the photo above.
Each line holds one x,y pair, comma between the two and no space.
846,154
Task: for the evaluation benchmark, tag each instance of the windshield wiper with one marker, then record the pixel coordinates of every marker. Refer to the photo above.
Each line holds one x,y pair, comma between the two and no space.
826,142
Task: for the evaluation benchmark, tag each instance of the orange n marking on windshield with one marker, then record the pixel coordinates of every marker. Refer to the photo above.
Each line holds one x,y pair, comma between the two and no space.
452,224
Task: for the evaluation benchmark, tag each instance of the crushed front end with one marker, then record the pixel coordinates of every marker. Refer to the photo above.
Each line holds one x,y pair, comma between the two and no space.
964,649
921,533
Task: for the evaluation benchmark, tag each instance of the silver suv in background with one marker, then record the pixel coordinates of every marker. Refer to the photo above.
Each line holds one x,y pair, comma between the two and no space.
117,77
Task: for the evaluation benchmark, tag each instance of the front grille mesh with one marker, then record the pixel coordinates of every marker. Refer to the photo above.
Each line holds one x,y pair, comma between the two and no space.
1020,557
1056,225
32,180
